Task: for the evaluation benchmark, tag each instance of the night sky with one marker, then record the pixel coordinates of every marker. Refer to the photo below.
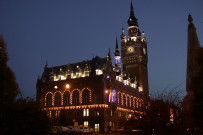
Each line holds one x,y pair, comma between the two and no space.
69,31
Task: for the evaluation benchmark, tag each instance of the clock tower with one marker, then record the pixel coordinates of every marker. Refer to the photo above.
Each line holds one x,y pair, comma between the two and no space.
134,53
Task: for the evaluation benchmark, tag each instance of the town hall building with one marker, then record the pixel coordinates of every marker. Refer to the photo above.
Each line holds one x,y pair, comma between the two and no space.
95,93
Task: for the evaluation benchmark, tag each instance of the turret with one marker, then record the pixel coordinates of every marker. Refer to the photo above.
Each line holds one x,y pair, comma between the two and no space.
117,55
123,36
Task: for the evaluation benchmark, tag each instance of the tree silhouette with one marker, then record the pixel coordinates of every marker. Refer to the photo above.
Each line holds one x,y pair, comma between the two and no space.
8,86
17,116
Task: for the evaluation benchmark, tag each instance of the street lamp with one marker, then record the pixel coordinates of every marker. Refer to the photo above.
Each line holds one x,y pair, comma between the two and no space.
67,86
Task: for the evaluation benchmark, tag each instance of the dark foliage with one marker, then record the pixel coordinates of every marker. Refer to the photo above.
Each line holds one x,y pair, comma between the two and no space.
21,116
8,86
24,117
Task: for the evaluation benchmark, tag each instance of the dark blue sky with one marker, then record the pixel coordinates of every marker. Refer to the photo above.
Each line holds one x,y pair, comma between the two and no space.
67,31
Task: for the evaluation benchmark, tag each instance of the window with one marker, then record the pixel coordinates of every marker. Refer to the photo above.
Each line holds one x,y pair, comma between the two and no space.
96,128
49,100
110,123
99,72
57,101
96,113
75,97
66,98
85,96
57,113
85,123
49,114
128,101
119,99
85,112
75,124
124,100
114,95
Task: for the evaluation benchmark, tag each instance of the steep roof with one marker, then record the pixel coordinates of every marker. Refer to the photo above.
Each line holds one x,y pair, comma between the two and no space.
95,63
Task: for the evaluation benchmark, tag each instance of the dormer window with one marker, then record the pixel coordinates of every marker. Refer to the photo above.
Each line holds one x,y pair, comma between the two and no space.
87,73
99,72
78,72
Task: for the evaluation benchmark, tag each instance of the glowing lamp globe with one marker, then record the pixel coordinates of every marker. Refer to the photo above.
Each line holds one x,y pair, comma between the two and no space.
67,86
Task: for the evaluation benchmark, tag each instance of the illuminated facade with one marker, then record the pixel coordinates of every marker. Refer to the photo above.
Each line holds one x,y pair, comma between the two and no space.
95,93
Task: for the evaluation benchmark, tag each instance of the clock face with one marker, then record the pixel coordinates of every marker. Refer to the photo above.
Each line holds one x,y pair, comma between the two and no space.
130,49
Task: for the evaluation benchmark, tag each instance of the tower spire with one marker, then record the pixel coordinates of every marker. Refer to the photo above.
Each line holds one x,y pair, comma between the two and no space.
132,21
123,36
109,55
131,9
117,52
46,65
117,55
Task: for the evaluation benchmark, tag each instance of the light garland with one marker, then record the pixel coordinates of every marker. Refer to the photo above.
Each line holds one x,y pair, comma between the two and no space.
71,93
54,97
46,98
78,107
132,102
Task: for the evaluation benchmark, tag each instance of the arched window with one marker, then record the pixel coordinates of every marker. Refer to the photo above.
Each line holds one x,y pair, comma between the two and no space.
49,100
124,100
66,98
57,99
131,103
119,98
128,101
75,97
85,96
137,103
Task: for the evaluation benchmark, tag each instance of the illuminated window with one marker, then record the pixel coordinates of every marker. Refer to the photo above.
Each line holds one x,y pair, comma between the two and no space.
85,112
75,124
57,114
96,127
49,114
85,123
99,72
111,113
110,123
113,95
97,113
87,73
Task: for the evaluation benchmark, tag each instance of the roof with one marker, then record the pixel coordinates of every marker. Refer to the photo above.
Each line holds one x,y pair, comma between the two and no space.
95,63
